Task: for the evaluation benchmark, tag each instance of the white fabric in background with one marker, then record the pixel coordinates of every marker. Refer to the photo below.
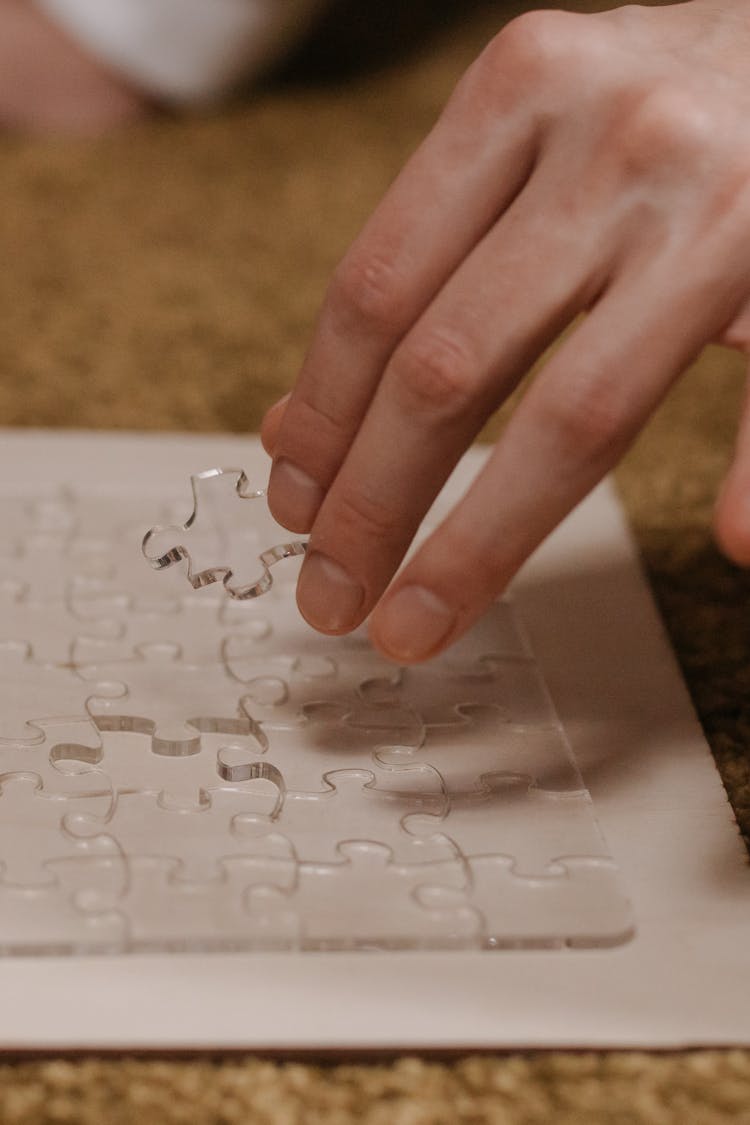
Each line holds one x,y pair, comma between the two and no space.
187,52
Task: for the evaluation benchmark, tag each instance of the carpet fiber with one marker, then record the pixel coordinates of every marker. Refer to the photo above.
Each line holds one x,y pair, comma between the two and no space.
167,278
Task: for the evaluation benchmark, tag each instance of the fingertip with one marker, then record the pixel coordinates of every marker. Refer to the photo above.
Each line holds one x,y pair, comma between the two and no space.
732,521
294,498
328,597
412,624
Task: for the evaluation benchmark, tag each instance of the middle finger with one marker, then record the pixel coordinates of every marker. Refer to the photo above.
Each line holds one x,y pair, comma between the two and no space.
521,285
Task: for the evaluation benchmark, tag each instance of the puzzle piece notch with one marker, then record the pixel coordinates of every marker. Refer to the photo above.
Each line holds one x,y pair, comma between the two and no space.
215,493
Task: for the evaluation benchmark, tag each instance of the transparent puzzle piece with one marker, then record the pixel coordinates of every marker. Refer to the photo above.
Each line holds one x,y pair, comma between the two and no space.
219,542
161,911
196,839
35,827
29,689
485,744
185,770
367,901
363,813
437,690
531,828
47,627
326,737
191,625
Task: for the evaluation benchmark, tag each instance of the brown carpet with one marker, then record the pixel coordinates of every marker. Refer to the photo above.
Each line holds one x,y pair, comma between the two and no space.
167,278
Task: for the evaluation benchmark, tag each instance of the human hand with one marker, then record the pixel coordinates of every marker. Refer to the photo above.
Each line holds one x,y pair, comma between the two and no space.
585,163
49,84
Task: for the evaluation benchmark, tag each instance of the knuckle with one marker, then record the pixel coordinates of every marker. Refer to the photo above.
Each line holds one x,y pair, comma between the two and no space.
313,435
533,38
664,122
436,374
533,44
533,62
367,293
359,516
585,420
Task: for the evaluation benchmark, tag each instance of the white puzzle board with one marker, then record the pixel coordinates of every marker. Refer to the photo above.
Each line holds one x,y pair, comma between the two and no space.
524,843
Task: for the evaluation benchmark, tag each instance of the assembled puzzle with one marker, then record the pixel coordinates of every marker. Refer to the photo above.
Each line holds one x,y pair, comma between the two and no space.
186,766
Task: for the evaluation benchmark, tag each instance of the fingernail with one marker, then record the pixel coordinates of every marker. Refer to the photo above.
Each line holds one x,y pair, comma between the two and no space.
271,424
295,496
327,597
412,623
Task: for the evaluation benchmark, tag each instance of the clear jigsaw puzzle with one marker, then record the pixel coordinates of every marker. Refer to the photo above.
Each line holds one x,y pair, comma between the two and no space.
195,769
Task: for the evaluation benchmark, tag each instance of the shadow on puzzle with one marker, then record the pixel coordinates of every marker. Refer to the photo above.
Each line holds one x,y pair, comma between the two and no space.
183,770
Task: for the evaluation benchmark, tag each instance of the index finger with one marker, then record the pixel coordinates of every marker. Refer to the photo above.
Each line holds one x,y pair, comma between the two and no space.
447,197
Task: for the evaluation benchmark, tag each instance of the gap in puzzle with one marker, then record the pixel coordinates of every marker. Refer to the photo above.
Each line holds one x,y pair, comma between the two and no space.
184,771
